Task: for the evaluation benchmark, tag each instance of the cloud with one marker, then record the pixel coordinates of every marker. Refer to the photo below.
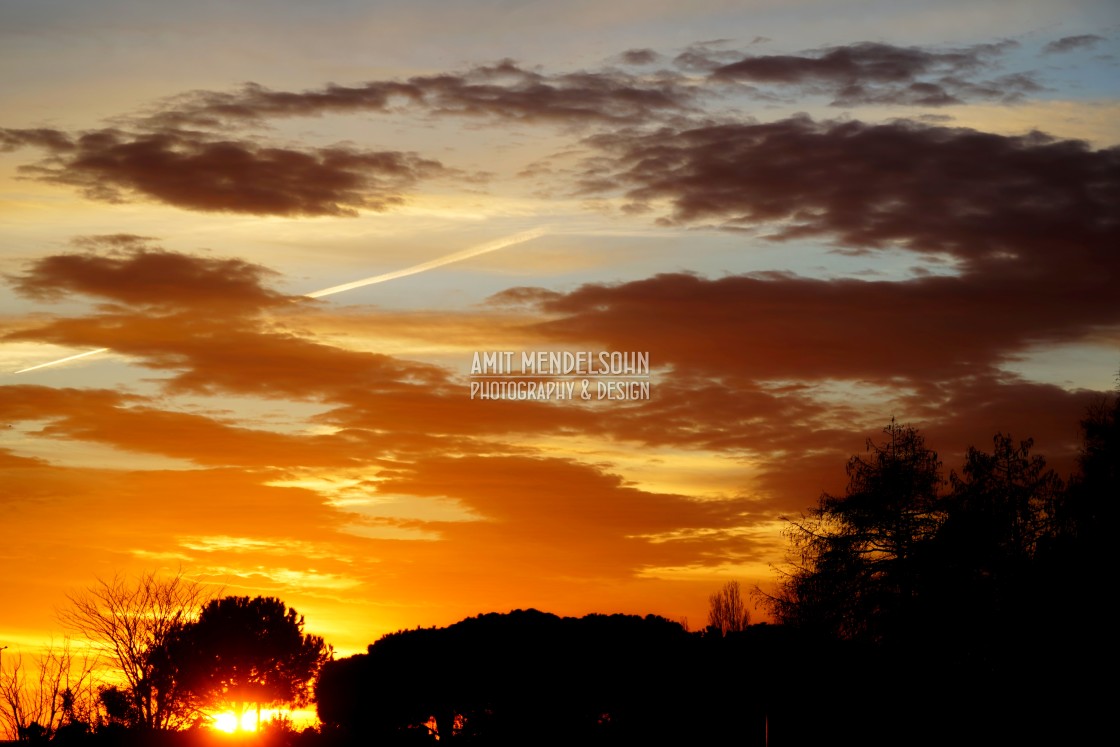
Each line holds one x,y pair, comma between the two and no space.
138,274
763,328
1024,205
1021,223
1024,226
567,517
54,141
504,89
8,461
174,330
196,171
873,73
134,424
181,151
1071,43
640,56
724,395
706,56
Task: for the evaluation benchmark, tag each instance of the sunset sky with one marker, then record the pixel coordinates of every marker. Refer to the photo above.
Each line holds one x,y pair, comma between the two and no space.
813,216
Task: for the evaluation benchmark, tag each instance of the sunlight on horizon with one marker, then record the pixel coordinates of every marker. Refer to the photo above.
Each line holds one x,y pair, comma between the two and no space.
227,722
298,719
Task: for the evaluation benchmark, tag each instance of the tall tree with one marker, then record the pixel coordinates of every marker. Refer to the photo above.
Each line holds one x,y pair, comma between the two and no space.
1081,557
1088,516
1004,501
727,611
244,651
999,519
129,623
856,557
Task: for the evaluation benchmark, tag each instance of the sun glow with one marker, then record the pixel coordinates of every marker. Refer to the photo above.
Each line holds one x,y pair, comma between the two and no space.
294,718
227,722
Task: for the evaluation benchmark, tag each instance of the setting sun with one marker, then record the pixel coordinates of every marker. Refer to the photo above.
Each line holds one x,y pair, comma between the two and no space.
227,722
296,718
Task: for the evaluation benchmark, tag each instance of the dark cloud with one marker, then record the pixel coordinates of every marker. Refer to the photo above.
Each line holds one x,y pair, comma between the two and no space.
112,241
54,141
640,56
180,152
971,410
198,320
381,404
1013,206
794,373
504,90
1025,223
871,73
254,102
1029,224
135,424
783,328
868,62
201,172
706,56
140,275
952,415
747,356
511,92
1070,43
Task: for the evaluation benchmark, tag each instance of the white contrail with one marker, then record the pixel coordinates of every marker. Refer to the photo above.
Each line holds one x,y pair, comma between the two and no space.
67,359
474,251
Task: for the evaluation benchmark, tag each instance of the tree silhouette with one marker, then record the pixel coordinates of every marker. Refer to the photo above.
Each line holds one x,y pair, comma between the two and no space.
243,651
528,677
727,612
56,694
1089,515
1002,506
857,556
939,601
130,623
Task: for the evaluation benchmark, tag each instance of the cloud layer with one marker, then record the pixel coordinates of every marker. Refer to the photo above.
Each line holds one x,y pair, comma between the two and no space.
310,447
201,172
209,150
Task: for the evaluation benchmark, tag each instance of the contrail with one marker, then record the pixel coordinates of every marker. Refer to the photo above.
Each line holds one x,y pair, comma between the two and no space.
63,360
474,251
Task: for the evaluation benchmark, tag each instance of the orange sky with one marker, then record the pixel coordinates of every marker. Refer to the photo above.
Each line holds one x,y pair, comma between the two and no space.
808,234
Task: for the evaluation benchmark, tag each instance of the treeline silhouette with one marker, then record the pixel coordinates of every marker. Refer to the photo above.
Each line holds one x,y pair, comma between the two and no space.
515,678
917,608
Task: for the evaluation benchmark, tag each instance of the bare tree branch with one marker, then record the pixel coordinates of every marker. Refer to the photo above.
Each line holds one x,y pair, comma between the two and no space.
727,612
129,621
58,692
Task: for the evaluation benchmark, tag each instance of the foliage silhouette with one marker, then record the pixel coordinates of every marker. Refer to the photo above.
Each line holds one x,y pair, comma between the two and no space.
857,555
529,677
975,612
1089,514
241,651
